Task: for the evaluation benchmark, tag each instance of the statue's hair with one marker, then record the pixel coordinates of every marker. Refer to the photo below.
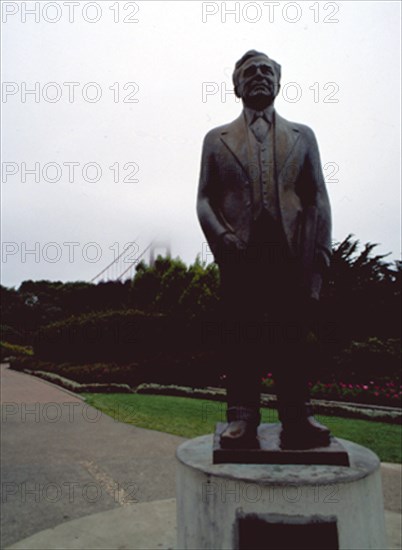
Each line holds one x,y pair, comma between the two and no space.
246,57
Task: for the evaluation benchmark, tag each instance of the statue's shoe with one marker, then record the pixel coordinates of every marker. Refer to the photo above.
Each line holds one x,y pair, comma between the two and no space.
239,434
304,434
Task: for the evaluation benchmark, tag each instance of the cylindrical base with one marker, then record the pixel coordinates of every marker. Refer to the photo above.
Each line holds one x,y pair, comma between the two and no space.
235,506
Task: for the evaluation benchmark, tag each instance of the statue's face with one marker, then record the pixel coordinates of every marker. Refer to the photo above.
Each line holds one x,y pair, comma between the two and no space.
258,83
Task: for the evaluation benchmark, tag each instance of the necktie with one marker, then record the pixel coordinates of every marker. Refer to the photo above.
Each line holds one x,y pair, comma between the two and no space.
260,128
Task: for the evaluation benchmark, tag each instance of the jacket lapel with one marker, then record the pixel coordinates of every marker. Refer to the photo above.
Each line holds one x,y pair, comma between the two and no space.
286,137
235,138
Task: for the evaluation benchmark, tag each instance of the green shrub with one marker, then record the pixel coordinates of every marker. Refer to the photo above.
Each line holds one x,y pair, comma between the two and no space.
14,350
104,336
194,370
370,357
166,349
10,334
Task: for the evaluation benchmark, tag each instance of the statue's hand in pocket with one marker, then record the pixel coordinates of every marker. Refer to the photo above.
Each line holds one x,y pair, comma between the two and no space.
232,242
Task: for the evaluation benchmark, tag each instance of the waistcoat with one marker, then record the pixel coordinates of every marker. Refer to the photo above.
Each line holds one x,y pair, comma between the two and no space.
263,174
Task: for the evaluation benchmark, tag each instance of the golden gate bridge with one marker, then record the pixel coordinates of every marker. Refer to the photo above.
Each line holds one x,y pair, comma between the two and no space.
123,266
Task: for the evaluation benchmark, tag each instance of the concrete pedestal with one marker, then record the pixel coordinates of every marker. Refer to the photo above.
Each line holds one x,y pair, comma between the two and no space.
239,506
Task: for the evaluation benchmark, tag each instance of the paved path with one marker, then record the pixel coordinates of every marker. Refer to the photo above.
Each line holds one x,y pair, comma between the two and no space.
62,460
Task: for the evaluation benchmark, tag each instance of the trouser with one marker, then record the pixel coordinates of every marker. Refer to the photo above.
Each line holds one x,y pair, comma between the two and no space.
290,371
266,319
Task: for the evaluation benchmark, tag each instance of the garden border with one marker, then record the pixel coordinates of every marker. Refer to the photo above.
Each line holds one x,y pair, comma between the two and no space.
391,415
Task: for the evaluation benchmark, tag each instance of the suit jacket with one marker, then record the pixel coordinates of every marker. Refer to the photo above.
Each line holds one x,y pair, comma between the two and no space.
225,198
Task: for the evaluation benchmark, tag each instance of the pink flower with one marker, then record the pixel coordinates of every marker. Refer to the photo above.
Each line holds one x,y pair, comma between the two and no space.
350,386
376,393
365,387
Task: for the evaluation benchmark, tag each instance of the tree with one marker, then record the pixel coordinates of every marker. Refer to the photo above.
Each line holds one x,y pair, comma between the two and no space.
170,286
361,297
363,291
201,295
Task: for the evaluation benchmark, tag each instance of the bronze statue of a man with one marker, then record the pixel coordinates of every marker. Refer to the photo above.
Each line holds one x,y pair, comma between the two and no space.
264,208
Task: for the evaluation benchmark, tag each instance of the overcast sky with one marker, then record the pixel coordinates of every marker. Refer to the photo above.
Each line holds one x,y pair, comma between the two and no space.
126,101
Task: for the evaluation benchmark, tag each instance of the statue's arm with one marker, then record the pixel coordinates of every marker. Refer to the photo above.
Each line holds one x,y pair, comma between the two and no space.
214,228
320,200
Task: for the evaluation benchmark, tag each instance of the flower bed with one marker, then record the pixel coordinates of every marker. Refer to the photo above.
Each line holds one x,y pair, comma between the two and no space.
384,392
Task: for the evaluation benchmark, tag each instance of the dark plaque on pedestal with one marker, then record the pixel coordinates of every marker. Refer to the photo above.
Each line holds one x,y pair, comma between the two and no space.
282,532
267,450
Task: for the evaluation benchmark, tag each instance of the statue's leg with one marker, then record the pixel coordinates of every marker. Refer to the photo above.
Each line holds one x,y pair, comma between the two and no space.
243,385
292,374
291,382
241,330
243,399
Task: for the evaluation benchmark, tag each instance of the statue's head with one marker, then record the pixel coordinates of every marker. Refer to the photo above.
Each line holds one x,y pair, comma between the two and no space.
256,79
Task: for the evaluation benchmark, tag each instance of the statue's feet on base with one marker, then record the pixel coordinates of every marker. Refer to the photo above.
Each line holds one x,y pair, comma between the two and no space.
239,434
304,434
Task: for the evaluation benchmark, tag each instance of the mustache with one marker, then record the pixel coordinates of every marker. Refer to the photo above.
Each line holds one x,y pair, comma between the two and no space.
269,86
266,83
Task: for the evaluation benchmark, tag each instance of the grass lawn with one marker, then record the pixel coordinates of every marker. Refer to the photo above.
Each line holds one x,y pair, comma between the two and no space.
189,417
